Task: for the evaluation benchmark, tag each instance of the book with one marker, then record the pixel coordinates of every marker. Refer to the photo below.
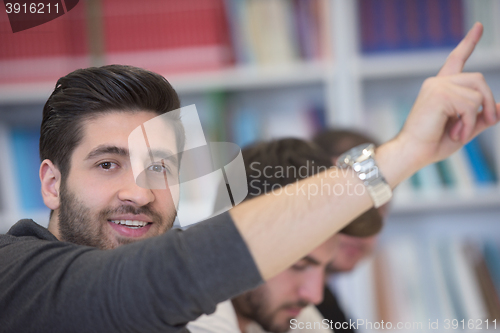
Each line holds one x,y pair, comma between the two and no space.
485,12
25,165
460,171
45,52
486,284
468,285
392,25
167,36
492,258
482,172
8,188
245,126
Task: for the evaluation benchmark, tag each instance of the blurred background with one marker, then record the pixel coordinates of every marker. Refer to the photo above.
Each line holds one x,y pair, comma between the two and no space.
262,69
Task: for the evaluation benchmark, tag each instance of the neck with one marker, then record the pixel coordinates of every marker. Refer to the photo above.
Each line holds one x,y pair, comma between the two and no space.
53,223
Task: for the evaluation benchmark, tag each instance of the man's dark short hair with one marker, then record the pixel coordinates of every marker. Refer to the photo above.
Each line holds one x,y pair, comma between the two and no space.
337,141
90,92
289,155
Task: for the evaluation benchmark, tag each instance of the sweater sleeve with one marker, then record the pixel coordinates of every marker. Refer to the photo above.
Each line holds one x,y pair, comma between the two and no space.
154,285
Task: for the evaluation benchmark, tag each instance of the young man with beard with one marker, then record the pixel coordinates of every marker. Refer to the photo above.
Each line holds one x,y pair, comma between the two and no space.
161,283
271,307
271,166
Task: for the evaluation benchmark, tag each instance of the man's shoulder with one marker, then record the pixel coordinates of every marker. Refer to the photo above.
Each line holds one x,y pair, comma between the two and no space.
24,230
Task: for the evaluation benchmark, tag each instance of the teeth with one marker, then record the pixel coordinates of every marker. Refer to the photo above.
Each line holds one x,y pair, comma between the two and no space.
130,223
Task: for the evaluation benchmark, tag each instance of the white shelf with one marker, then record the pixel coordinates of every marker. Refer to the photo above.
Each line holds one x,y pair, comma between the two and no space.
233,78
421,63
25,93
251,77
446,200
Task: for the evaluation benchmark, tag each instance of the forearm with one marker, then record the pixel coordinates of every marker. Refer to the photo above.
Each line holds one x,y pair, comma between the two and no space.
281,228
156,285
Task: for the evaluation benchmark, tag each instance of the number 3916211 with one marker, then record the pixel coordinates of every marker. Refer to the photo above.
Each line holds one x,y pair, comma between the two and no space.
31,8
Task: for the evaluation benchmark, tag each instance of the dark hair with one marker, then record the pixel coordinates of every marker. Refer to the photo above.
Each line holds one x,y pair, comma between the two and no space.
86,93
288,155
336,142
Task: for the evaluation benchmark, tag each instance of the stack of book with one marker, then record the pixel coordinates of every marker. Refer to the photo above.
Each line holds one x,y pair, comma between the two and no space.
394,25
276,32
45,52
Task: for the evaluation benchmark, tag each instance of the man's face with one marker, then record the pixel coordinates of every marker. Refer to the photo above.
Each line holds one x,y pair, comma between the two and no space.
351,250
281,298
100,202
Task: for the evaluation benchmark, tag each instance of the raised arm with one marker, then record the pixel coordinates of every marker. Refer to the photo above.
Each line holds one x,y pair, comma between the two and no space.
281,228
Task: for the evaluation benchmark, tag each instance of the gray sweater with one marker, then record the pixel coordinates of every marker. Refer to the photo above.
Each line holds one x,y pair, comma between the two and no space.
154,285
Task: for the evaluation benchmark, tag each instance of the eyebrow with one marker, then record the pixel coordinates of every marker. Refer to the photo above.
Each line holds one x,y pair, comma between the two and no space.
105,150
310,260
162,154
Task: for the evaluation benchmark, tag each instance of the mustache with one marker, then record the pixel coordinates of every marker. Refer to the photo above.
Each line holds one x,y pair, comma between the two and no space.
127,209
299,304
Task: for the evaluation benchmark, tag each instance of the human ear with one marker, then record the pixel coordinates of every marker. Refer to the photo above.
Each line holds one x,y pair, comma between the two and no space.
50,177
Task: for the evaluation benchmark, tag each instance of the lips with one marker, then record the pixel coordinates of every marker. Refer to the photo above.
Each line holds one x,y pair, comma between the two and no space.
294,312
129,225
134,224
130,231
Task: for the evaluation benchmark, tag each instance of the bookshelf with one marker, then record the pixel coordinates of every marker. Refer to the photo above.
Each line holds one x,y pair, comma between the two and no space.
347,82
346,78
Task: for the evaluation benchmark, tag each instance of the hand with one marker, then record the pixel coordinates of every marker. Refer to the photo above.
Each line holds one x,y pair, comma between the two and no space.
445,114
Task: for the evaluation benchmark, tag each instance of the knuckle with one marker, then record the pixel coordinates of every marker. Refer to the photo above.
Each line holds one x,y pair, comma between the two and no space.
478,96
478,76
429,82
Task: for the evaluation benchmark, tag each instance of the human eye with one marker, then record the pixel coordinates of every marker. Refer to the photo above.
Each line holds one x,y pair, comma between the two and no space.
107,165
300,266
160,168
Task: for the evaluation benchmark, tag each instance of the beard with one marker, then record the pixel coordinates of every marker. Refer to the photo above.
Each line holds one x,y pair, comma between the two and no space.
255,305
78,225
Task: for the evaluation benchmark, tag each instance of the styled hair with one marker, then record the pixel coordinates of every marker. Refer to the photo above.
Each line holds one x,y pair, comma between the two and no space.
281,162
87,93
336,142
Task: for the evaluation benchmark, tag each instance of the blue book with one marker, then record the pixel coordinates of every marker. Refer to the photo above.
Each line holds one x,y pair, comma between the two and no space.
393,25
246,127
26,164
482,172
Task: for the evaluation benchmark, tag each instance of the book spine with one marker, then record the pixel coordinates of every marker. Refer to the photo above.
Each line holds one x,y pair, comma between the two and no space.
482,172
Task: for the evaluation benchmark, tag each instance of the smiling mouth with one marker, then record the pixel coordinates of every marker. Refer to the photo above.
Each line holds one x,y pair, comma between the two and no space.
132,224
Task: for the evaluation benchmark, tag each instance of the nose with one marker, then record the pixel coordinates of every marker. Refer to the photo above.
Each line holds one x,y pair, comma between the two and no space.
133,193
312,286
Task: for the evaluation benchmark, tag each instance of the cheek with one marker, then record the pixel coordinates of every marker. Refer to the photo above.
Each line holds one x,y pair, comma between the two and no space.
283,287
92,193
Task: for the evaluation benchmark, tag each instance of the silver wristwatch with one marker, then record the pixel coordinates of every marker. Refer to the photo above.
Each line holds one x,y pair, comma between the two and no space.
361,160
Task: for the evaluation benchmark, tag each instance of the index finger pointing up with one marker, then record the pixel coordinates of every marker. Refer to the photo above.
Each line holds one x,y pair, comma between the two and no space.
457,58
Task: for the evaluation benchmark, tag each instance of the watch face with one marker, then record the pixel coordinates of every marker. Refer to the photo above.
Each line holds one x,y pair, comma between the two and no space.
357,154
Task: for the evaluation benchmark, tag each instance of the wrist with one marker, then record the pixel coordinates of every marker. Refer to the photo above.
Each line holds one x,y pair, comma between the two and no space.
397,161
